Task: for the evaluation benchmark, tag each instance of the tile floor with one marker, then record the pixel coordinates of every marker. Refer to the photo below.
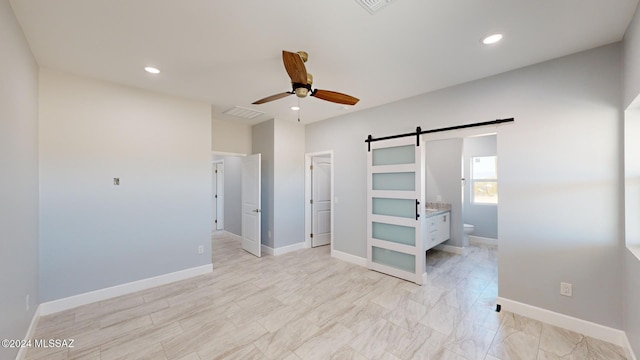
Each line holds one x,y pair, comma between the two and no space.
307,305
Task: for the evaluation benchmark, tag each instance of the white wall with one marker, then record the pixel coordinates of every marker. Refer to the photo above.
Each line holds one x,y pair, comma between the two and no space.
484,218
231,137
281,144
559,175
631,60
443,179
18,181
289,183
631,293
94,234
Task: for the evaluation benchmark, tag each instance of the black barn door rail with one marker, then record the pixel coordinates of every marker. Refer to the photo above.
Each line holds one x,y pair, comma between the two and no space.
419,131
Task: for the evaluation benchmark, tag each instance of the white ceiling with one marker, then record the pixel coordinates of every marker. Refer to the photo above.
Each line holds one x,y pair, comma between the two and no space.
228,53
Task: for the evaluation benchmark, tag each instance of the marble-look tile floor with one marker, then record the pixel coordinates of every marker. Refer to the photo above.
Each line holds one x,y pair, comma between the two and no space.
307,305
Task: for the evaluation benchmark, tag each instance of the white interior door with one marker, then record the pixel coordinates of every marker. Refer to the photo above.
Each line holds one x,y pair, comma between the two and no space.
395,209
320,201
218,196
251,204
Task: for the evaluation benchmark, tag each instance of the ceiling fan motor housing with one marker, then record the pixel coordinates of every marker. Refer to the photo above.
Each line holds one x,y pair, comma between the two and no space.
301,90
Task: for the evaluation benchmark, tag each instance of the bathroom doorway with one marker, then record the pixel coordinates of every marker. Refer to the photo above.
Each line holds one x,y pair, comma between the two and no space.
480,189
450,180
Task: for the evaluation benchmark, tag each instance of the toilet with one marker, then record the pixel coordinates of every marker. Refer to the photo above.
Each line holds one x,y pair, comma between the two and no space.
468,229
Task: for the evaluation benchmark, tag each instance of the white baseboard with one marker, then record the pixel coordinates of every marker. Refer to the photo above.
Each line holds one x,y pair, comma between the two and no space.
288,248
349,258
30,332
267,250
588,328
71,302
282,250
482,240
452,249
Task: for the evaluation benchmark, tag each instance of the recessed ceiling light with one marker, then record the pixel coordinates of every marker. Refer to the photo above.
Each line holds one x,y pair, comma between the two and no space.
492,39
295,108
151,70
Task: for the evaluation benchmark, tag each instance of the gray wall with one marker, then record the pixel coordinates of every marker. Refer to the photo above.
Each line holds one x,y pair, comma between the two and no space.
230,137
18,181
289,183
631,56
345,136
281,144
484,218
559,212
631,293
263,143
232,193
443,174
94,234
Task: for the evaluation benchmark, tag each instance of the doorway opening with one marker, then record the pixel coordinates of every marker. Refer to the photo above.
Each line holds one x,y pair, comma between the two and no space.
319,199
480,190
450,180
236,199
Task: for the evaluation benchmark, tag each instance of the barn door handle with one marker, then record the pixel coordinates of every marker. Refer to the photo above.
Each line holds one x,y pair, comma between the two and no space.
417,209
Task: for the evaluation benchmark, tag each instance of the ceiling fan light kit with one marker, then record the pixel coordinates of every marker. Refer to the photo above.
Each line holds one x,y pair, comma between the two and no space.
301,82
301,92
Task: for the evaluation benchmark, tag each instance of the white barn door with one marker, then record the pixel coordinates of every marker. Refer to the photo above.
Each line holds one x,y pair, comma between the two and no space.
395,208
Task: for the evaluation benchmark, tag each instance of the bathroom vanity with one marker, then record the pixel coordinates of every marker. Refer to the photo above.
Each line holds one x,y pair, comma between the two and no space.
437,227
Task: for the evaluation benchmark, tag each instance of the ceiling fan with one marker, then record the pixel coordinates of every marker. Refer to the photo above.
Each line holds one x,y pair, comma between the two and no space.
301,82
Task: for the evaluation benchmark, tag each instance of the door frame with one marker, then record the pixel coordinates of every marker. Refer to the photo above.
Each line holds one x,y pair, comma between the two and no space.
307,196
462,134
221,185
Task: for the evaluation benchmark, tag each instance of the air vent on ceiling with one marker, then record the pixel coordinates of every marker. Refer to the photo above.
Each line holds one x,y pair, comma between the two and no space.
244,113
373,6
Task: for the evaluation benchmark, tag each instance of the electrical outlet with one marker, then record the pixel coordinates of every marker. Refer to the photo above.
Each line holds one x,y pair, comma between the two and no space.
566,289
200,249
27,302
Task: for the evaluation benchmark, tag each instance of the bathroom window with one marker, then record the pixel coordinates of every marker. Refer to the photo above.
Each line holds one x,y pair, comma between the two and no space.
484,180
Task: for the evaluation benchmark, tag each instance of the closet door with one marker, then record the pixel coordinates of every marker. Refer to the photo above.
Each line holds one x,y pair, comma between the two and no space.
395,188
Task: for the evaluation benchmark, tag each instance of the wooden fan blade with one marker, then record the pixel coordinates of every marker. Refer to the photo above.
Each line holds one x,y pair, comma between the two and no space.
295,67
335,97
271,98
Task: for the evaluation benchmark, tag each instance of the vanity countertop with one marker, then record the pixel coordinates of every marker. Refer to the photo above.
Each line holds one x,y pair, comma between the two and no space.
434,212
